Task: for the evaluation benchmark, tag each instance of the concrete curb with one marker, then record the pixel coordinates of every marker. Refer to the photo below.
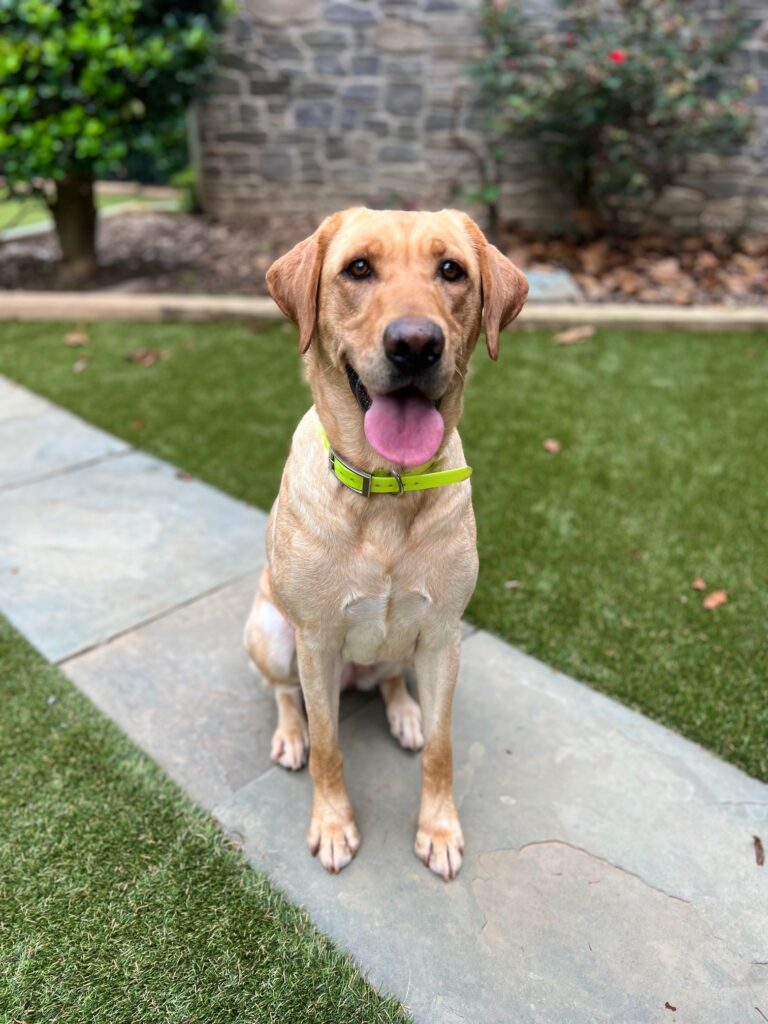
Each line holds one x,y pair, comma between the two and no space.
33,305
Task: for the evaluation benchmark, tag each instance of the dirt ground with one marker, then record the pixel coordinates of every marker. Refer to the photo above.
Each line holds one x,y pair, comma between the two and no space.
167,252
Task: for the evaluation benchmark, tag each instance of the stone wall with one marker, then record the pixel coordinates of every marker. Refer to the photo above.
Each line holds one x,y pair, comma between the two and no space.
321,104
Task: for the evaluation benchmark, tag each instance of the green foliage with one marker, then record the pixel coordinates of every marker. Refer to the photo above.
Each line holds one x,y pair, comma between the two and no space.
186,180
619,96
86,84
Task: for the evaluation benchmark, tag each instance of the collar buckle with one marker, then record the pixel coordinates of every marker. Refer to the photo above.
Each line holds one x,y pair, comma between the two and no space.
351,471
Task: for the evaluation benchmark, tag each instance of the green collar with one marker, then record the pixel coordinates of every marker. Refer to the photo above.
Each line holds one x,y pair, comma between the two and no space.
384,481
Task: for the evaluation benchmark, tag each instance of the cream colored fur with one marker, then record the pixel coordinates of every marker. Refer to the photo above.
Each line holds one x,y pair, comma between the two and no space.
356,590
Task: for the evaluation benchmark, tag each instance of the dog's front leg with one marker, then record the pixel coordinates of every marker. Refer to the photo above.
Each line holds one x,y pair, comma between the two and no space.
439,840
333,835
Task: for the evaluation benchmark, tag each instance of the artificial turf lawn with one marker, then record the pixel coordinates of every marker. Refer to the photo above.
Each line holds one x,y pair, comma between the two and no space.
122,904
662,478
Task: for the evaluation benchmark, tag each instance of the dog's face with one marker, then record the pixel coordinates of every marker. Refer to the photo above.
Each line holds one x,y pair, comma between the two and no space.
391,304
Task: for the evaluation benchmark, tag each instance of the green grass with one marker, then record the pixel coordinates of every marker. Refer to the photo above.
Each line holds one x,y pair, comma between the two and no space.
662,478
122,904
16,213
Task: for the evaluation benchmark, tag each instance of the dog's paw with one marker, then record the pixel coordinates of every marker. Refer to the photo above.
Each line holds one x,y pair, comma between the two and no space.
404,717
333,841
290,747
441,848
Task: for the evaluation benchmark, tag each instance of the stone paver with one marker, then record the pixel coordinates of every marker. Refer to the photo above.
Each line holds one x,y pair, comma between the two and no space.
552,286
609,864
183,689
37,439
93,552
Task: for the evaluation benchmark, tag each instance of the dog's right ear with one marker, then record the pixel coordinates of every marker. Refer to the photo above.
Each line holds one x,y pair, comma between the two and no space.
505,287
294,280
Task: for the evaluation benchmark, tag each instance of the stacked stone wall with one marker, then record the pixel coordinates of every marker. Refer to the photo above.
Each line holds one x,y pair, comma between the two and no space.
320,105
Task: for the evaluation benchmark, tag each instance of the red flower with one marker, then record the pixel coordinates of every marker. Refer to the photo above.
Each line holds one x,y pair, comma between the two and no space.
617,56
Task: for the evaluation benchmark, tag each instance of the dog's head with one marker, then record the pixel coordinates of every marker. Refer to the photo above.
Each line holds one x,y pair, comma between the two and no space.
389,306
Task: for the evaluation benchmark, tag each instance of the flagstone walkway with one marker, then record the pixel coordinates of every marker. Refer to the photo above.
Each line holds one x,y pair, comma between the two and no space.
610,871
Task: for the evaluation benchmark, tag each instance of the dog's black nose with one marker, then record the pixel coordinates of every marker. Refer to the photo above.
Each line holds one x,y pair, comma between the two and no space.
413,344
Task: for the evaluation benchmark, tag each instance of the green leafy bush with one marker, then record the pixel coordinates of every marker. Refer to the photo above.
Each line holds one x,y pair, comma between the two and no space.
87,84
619,96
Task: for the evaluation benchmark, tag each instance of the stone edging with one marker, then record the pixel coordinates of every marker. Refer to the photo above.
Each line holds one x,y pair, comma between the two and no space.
33,305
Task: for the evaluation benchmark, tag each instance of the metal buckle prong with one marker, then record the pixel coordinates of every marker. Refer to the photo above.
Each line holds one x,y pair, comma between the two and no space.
401,489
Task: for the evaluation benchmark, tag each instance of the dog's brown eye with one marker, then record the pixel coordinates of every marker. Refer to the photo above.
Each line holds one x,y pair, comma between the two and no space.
358,269
450,270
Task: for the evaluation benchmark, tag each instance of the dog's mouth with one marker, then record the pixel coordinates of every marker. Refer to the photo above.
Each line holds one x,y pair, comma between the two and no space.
404,426
359,389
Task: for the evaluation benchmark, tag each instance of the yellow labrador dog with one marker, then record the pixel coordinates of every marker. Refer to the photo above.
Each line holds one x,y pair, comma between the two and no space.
371,552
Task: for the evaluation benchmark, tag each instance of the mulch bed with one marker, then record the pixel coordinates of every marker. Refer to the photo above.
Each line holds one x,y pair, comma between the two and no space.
163,252
155,252
710,268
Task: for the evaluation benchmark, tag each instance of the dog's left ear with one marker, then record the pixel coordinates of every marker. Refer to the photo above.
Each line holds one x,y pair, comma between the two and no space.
294,280
505,288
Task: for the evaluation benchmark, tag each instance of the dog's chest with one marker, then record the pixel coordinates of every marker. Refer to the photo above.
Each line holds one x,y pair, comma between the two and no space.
385,625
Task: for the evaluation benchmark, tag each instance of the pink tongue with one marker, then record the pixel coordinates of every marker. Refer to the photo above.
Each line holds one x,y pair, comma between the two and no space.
405,428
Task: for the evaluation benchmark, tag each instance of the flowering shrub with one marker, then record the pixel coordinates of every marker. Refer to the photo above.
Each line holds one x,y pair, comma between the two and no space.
619,97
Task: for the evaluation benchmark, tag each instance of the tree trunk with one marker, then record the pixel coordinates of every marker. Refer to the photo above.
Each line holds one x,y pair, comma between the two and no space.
74,214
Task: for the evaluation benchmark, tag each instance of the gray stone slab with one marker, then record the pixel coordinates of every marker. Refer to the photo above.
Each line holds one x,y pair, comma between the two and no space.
609,868
37,438
183,689
91,553
552,286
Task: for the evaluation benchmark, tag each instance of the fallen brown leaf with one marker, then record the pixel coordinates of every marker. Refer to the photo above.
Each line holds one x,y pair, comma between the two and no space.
669,1006
594,257
699,584
715,599
628,281
665,271
138,424
593,290
148,356
684,294
707,260
759,851
552,446
76,339
736,284
651,295
754,245
574,335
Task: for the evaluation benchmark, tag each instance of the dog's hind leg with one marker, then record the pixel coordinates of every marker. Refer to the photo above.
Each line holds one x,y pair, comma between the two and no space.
271,645
403,713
